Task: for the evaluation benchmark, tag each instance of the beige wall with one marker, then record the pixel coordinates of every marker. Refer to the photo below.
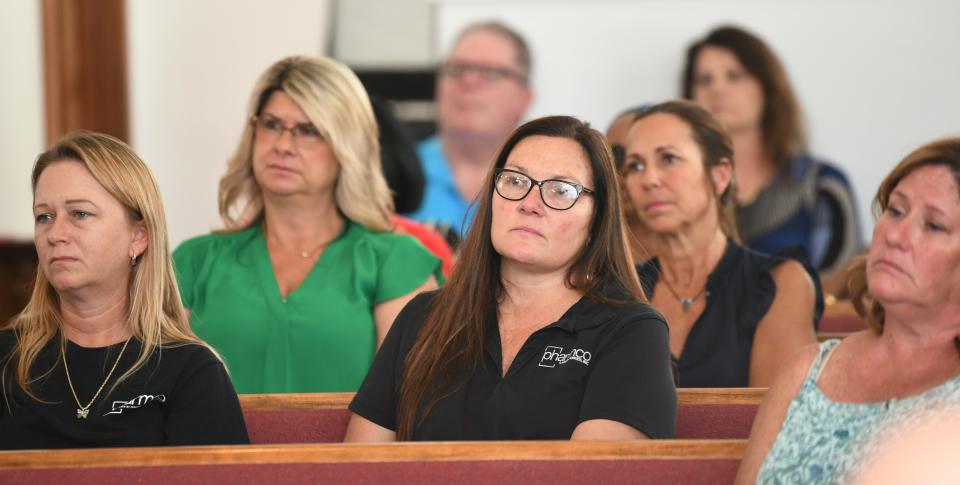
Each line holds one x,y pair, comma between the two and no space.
192,66
869,96
21,113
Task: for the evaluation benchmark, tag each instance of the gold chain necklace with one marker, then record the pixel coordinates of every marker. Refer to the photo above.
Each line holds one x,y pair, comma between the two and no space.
305,254
84,411
686,302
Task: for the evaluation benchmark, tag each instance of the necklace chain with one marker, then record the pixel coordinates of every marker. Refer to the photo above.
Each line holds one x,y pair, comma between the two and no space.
686,302
307,253
84,411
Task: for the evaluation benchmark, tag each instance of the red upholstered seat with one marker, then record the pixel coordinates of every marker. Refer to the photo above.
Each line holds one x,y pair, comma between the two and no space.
296,425
715,421
841,317
841,323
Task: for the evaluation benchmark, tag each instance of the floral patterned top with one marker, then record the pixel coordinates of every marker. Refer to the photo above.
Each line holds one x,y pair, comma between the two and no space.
822,441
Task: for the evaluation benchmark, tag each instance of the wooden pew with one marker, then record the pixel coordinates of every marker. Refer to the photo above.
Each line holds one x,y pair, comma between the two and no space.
841,317
664,461
322,418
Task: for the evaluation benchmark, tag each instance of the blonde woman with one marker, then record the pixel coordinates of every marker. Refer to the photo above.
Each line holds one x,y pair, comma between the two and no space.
103,354
299,289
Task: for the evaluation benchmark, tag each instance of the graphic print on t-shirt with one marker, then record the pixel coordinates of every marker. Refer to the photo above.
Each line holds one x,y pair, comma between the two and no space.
553,355
137,402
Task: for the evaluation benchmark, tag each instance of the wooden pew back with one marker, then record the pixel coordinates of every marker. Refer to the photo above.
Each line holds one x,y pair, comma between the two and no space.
841,317
322,418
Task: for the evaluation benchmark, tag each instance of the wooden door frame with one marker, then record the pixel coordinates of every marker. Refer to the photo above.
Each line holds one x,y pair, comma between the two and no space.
85,67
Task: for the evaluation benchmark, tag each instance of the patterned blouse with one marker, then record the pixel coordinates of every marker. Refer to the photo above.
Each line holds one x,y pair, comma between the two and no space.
823,441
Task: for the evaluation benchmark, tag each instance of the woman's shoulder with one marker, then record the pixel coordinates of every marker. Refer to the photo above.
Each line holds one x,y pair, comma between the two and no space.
187,355
802,365
382,240
790,262
412,316
215,242
8,340
761,277
826,169
819,171
629,316
395,254
643,311
806,361
416,309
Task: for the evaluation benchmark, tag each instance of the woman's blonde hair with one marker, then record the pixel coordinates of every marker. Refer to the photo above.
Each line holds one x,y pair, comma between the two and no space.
155,314
335,102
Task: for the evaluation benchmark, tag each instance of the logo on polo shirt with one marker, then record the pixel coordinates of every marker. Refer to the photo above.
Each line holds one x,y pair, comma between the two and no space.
137,402
553,355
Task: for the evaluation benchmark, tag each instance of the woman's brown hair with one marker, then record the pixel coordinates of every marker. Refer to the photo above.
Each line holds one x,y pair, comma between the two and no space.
783,133
715,148
944,153
452,336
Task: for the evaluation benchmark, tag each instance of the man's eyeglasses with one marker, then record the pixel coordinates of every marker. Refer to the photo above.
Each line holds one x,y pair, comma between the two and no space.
486,72
269,129
555,194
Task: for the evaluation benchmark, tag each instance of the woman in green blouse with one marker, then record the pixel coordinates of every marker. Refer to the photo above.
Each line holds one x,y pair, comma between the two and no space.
301,286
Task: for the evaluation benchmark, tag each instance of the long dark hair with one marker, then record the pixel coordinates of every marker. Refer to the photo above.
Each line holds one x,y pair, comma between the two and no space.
783,134
452,335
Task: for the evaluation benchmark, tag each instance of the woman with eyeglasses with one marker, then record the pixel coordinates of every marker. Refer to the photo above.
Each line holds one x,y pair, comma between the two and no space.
543,331
735,314
299,289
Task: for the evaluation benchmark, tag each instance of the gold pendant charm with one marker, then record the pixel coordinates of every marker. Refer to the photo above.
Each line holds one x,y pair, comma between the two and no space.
82,413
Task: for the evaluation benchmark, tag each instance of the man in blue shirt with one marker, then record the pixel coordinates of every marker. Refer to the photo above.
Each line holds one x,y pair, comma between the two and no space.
482,92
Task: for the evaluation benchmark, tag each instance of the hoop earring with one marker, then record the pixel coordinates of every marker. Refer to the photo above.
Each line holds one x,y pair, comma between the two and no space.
133,260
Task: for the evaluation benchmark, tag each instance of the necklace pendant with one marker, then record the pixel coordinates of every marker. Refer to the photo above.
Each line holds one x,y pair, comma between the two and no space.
82,413
685,304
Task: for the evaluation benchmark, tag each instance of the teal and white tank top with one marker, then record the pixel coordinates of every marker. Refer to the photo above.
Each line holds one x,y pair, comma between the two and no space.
822,441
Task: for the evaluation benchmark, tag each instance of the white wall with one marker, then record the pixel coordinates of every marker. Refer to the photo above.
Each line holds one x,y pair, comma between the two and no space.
192,65
21,113
378,33
876,78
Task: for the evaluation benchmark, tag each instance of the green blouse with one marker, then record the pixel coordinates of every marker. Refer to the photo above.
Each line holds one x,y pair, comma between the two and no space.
322,338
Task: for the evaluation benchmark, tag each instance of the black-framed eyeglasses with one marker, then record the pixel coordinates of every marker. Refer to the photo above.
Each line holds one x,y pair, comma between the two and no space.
555,193
269,129
486,72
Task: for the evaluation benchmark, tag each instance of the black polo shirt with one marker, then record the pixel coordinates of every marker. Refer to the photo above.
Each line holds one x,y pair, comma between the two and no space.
597,362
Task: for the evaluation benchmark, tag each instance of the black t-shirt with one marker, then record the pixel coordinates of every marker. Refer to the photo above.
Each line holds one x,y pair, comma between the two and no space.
740,292
597,362
182,396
